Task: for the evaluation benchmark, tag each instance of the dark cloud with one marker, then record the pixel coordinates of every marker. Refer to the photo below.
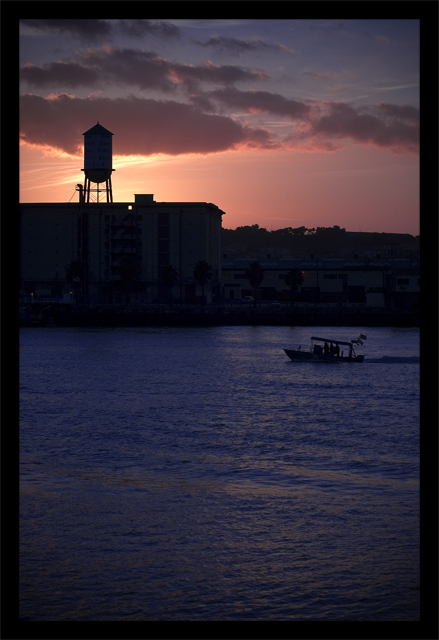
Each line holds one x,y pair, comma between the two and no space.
236,47
261,101
140,126
95,30
142,28
142,69
383,126
145,126
62,74
324,125
217,74
84,29
401,112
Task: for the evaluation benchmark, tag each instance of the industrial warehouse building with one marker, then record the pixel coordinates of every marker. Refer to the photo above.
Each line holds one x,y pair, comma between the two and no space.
104,252
379,283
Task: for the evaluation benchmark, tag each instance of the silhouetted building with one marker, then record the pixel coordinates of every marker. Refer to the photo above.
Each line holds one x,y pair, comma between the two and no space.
107,252
391,283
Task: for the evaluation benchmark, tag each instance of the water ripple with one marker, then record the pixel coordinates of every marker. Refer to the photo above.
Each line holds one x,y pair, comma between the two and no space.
170,474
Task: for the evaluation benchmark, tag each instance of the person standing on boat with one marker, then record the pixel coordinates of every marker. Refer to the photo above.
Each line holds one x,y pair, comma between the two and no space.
326,349
337,350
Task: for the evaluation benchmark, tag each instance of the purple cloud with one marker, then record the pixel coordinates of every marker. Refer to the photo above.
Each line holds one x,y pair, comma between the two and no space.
261,101
143,69
388,126
141,126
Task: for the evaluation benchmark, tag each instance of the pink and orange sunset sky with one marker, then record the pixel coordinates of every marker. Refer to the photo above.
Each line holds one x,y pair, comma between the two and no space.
281,123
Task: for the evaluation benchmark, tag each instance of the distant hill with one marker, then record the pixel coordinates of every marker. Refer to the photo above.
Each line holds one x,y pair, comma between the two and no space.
256,242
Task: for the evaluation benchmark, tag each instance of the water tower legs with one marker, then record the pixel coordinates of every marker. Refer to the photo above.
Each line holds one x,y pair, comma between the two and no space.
108,190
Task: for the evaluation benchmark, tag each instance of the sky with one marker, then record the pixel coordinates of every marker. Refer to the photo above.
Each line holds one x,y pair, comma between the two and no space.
280,123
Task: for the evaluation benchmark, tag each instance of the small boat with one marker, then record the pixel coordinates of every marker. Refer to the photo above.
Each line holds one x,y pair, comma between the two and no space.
328,351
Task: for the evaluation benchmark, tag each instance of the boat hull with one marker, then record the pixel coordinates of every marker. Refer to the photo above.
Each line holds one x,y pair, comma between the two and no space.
307,356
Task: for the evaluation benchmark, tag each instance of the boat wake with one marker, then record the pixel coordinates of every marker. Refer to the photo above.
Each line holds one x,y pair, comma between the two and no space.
393,360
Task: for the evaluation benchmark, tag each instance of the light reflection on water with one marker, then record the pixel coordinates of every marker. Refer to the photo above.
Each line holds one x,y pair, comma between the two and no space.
198,474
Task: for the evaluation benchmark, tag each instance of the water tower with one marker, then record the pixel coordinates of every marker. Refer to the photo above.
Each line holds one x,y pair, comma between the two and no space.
98,162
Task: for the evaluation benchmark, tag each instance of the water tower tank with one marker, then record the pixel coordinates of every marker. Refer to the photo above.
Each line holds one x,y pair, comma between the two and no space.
98,162
98,154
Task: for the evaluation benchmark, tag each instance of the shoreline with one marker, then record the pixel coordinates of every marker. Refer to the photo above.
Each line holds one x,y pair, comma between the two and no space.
178,316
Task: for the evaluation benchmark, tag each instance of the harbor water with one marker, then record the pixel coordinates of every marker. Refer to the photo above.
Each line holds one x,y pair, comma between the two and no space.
199,474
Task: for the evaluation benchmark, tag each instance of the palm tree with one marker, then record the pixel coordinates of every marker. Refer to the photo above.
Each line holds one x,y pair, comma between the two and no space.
254,275
74,271
202,274
169,276
294,279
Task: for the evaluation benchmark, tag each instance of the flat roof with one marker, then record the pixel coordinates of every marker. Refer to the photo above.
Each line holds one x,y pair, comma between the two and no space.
114,205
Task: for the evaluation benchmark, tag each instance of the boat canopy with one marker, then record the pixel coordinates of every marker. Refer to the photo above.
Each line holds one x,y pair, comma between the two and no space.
329,340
